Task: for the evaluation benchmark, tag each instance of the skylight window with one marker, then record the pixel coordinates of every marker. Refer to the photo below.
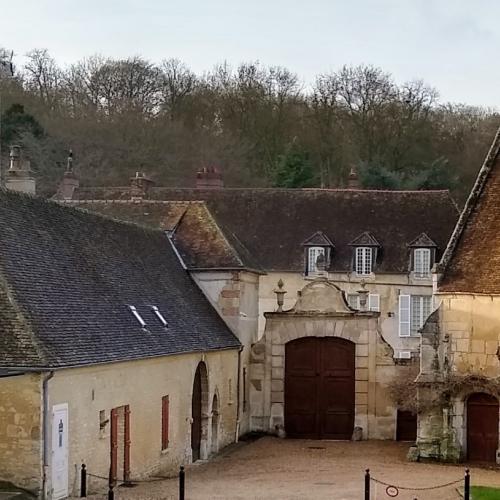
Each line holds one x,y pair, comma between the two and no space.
138,317
160,316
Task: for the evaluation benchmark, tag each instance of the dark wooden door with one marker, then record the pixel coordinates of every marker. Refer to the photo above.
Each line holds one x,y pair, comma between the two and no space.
406,426
120,444
482,427
196,416
319,388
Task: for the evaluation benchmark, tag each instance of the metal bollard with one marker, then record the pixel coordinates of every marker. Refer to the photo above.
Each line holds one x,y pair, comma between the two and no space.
467,485
182,477
367,484
111,484
83,481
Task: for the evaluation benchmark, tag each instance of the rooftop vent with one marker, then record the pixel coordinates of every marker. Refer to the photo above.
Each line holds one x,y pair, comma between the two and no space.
160,316
138,317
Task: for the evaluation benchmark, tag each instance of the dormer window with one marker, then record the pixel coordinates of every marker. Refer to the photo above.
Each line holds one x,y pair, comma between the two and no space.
364,260
423,254
318,246
365,251
422,262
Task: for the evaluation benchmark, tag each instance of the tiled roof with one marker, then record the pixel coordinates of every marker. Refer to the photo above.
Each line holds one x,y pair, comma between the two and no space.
270,225
471,263
67,278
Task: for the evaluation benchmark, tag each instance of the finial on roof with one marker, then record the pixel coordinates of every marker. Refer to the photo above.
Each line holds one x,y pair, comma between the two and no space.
69,162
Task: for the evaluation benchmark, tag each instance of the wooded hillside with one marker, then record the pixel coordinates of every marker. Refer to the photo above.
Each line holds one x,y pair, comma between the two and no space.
261,125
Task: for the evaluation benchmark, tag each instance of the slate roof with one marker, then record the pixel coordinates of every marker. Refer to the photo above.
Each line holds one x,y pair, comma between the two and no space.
268,226
471,263
67,277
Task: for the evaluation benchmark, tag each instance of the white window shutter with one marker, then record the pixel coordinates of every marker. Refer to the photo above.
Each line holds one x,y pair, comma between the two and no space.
374,302
404,315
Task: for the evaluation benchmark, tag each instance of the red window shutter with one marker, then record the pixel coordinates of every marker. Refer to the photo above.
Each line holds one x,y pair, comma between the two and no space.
164,422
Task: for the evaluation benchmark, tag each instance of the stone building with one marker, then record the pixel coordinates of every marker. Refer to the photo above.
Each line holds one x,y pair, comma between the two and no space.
110,353
238,243
459,380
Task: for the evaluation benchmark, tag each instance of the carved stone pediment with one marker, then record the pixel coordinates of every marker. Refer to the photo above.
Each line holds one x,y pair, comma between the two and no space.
322,297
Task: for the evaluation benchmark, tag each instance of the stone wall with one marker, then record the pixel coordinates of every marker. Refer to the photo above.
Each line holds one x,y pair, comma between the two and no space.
235,296
374,366
141,385
460,339
21,430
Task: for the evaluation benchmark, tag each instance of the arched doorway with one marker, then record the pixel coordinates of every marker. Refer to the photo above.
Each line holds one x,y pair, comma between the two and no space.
215,425
199,412
482,427
319,388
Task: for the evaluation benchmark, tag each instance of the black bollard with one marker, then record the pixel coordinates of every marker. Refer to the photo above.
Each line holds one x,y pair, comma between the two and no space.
367,484
111,484
182,477
467,485
83,481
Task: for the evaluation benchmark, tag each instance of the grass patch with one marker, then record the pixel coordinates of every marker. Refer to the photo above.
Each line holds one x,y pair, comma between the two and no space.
485,493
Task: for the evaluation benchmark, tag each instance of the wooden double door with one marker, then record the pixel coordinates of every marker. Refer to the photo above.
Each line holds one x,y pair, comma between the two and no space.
482,427
319,388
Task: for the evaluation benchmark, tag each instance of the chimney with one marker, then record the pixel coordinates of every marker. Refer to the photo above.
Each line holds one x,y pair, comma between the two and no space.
70,182
139,186
209,178
19,176
353,179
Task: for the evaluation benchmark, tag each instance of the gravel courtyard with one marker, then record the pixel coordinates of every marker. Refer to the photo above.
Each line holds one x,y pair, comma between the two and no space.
272,468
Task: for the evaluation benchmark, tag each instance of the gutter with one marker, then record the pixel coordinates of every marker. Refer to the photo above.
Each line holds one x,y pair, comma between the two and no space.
45,431
238,392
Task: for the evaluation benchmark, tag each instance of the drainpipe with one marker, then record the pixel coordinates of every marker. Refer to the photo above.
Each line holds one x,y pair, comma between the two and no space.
238,386
45,430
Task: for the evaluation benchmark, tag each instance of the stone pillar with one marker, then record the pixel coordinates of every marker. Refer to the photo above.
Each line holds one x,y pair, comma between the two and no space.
19,176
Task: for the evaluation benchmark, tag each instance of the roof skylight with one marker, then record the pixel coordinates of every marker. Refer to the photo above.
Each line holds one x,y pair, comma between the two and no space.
138,317
160,316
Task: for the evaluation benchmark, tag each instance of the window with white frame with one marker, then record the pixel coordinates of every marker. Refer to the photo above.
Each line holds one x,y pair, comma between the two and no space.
312,256
373,301
413,312
363,260
422,262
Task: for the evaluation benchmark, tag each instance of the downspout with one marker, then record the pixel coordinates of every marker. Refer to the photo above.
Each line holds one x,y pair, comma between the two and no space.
238,390
45,430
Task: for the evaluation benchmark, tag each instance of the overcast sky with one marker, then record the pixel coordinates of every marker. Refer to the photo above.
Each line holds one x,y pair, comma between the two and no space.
453,45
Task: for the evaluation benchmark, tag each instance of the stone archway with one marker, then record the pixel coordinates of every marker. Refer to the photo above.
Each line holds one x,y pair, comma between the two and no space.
482,427
199,413
214,448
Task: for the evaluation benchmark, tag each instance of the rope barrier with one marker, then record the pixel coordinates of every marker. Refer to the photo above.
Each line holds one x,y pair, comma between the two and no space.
152,480
421,488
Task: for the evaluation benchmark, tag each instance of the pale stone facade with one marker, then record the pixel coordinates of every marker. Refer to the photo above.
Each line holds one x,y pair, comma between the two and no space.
21,430
88,391
461,339
321,311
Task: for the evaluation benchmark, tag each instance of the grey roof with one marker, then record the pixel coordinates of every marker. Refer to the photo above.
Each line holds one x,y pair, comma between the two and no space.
67,278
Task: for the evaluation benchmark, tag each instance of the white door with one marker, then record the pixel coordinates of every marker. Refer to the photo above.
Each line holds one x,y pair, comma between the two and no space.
59,451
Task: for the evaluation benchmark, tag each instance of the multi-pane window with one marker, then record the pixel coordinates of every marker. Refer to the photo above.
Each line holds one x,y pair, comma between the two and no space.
363,260
413,312
422,262
373,301
165,403
312,256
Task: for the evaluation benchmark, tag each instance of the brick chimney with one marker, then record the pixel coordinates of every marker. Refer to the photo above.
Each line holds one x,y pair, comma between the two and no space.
209,178
353,179
19,176
140,186
70,182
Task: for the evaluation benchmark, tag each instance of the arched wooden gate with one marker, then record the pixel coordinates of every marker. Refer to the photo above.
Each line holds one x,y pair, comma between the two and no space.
482,427
319,388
